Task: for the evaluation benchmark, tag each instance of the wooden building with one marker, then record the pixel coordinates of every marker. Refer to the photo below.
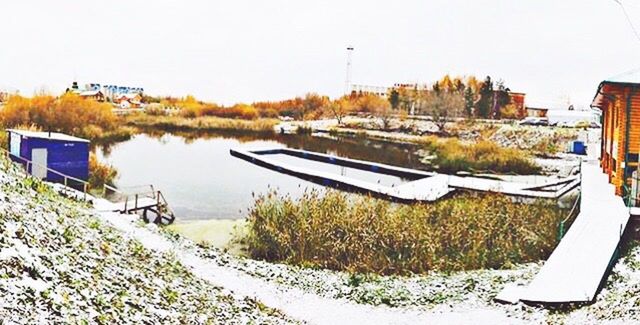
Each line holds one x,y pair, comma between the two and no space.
517,99
131,100
619,100
96,95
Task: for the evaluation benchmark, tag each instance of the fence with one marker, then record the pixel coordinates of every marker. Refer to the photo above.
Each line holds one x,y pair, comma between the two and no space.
107,191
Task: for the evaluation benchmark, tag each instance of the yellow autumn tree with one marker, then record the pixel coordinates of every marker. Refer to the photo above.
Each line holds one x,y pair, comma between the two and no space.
340,108
69,114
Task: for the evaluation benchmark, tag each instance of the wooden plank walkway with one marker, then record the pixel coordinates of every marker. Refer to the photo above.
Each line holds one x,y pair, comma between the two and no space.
578,265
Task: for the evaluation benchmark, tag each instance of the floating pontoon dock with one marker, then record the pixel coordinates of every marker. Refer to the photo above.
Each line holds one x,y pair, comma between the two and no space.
580,262
422,186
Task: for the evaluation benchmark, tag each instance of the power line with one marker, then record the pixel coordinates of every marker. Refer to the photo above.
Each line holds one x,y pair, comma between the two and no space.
626,15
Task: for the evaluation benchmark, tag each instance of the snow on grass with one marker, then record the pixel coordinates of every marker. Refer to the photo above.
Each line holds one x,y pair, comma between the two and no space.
292,300
60,264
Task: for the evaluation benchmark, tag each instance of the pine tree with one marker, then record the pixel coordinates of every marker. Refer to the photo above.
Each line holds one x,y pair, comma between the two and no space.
486,98
468,101
394,99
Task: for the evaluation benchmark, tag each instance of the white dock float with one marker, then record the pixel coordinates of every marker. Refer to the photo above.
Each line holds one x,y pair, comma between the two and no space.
425,186
432,187
578,265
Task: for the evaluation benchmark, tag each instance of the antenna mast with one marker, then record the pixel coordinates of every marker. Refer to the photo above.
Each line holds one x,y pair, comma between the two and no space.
347,83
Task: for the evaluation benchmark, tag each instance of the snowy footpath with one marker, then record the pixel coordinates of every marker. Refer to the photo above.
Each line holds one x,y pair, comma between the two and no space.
295,303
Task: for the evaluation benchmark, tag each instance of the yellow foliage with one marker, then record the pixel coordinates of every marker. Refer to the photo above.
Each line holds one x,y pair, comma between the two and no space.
509,111
69,114
99,173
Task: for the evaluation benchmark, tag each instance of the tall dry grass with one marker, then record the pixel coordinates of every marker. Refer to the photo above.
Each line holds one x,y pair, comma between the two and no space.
363,234
451,156
207,123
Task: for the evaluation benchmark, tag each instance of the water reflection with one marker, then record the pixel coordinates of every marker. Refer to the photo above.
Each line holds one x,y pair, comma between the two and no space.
201,180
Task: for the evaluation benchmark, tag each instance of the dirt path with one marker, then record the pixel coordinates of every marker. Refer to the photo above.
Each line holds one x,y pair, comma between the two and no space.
300,305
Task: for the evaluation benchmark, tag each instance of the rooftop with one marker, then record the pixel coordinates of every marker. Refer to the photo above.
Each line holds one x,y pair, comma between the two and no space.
47,135
629,77
90,93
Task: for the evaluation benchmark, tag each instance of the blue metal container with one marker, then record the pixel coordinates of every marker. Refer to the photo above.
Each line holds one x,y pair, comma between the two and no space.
49,151
579,148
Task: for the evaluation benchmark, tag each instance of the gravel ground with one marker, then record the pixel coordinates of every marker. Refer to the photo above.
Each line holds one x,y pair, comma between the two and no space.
60,264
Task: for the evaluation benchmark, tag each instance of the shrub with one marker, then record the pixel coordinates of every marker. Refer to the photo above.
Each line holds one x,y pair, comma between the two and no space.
155,109
69,114
304,129
99,173
451,156
207,123
363,234
209,110
190,112
269,113
239,111
242,111
4,140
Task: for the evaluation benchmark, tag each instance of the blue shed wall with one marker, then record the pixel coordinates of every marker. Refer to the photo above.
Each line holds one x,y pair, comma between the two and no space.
67,157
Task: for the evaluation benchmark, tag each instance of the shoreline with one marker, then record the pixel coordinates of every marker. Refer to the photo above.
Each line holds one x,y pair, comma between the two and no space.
221,234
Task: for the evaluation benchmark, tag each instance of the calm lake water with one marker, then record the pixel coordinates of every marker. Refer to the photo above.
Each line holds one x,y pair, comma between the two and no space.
201,180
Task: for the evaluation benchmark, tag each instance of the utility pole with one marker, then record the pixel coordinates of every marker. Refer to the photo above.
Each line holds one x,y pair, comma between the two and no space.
347,83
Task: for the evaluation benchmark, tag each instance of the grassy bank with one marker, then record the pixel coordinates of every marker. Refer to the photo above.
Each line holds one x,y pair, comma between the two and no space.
362,234
452,155
63,265
206,123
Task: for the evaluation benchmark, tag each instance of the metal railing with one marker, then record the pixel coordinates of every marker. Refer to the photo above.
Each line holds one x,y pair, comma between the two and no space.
562,224
86,186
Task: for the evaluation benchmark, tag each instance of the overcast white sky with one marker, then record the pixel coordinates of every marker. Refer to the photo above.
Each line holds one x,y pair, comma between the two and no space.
228,51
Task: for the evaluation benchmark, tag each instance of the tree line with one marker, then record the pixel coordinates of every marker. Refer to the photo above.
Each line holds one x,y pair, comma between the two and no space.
446,98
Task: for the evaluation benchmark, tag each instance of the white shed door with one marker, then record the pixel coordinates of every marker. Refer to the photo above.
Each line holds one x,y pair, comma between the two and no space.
39,159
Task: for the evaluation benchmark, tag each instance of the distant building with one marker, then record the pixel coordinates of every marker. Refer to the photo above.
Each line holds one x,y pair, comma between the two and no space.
537,111
131,100
113,92
384,91
109,93
568,117
366,90
96,95
517,99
